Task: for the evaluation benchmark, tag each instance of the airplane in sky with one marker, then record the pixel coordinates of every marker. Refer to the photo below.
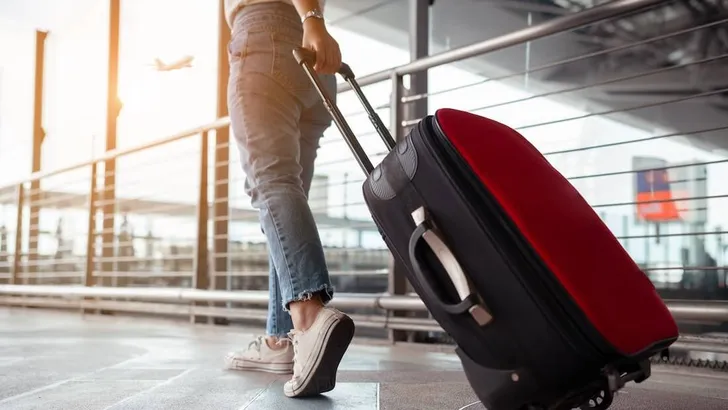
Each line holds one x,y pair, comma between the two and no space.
184,62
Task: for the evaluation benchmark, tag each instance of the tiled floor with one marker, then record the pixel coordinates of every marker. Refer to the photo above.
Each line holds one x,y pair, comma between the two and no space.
52,360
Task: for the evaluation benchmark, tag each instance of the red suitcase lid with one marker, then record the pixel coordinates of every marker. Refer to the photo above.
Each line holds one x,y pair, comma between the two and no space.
564,230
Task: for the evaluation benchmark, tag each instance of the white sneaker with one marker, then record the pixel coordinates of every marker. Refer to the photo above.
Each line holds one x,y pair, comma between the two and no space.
259,356
318,352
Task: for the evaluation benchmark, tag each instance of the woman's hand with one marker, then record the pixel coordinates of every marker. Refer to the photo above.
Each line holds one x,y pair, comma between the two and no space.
318,39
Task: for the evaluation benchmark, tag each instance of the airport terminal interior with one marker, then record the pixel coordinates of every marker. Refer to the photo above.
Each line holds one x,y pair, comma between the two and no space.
132,260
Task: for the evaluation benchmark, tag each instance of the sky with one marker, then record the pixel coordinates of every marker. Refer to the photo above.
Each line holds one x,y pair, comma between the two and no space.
157,104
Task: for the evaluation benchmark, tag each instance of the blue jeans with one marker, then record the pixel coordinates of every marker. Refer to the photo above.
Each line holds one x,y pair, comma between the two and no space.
277,120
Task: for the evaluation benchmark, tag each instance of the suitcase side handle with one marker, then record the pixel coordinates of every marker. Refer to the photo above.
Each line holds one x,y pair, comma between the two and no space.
469,300
306,59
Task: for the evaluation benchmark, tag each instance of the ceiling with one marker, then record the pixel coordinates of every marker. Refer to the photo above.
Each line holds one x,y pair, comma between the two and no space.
690,64
456,23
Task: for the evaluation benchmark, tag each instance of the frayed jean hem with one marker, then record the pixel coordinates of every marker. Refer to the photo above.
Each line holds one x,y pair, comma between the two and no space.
325,292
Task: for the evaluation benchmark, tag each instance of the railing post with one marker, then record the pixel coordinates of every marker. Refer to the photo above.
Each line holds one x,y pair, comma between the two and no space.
419,48
113,108
4,254
419,44
91,235
221,203
221,191
18,251
201,263
397,282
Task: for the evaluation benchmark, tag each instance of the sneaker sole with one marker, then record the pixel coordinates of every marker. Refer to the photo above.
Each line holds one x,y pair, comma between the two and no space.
277,368
322,377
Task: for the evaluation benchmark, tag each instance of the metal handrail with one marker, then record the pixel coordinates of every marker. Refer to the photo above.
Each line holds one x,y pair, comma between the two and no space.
117,153
253,297
693,343
682,310
553,26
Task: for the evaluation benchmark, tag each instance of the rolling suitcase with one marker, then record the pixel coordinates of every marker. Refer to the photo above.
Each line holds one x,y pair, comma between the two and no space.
547,309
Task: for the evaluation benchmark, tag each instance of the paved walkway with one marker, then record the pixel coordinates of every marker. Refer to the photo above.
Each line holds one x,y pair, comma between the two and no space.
54,360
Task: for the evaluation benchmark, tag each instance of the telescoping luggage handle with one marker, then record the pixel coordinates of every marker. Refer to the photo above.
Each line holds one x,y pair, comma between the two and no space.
424,227
306,58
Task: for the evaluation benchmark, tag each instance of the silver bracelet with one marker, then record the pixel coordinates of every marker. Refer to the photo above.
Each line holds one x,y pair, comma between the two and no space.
315,13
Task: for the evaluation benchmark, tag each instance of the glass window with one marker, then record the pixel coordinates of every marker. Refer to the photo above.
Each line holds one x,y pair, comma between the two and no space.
17,63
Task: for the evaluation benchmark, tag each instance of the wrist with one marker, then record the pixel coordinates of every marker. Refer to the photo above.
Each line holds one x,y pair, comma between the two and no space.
314,23
313,14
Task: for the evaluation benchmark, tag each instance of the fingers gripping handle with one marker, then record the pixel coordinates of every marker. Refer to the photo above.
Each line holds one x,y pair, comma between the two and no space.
304,55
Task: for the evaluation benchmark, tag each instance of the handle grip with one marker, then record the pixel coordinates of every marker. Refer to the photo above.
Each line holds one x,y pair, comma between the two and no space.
469,302
304,55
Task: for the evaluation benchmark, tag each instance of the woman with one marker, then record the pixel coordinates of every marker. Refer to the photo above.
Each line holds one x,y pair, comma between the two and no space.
277,119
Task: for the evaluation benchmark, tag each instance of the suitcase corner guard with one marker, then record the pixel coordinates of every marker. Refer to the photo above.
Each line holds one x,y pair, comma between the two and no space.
470,302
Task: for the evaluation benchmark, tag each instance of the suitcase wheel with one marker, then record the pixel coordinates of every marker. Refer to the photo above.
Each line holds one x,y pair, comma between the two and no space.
600,401
600,395
596,395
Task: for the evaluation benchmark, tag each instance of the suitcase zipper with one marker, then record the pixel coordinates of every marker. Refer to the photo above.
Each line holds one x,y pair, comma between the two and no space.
440,144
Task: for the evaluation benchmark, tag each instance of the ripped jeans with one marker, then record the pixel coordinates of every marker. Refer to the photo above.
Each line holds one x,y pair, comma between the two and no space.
278,119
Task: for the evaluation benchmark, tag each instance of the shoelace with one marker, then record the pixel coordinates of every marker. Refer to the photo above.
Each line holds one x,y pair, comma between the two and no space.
294,341
256,343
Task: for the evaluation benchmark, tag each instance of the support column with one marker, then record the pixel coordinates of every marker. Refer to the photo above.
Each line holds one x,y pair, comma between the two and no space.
419,16
38,139
220,209
113,106
419,48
